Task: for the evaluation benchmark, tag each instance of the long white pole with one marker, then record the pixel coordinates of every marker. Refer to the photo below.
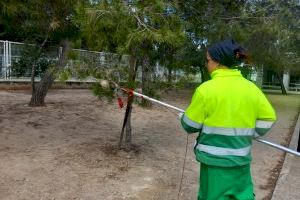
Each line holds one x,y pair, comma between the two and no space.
157,101
277,146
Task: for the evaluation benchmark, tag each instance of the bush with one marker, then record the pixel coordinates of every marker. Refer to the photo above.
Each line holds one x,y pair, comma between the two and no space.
22,68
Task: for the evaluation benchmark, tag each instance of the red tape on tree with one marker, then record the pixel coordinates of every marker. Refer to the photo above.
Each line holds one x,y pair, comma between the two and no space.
120,102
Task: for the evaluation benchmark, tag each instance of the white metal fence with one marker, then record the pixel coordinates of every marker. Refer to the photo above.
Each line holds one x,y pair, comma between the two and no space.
12,52
5,58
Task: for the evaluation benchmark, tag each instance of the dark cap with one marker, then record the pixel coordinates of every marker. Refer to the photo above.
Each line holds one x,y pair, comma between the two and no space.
225,52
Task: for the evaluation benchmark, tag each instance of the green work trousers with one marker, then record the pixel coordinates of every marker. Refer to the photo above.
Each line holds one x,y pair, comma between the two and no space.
225,183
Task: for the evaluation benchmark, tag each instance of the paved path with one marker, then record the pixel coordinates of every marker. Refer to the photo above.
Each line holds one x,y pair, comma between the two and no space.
267,160
288,184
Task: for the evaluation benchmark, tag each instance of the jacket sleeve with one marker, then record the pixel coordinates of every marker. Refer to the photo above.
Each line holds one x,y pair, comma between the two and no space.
192,119
266,115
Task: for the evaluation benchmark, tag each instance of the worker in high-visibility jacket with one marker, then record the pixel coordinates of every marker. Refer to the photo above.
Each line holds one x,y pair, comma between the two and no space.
228,112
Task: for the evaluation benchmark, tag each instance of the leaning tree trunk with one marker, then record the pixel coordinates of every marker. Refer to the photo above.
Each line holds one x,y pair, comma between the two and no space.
280,78
127,118
40,90
127,126
36,57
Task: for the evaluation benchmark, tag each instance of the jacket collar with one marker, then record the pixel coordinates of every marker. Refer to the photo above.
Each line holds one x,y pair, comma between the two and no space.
225,73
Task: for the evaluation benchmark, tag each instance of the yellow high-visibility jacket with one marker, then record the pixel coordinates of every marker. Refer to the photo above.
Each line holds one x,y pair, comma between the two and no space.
228,111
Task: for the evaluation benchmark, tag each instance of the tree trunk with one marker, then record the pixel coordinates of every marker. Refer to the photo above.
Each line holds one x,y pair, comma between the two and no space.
35,59
146,80
40,90
128,138
127,118
169,75
280,78
32,77
127,127
204,74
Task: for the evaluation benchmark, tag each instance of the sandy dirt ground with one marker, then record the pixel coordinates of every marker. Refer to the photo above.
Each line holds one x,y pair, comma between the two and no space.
68,149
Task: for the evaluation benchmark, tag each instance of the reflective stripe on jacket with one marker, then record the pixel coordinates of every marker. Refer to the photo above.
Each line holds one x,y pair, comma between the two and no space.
227,111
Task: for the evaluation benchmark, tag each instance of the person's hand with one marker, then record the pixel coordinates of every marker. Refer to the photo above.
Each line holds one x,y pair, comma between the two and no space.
180,115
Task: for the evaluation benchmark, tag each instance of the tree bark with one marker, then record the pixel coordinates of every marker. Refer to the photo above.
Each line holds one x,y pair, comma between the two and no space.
128,138
280,78
169,75
36,57
127,126
204,74
40,90
127,118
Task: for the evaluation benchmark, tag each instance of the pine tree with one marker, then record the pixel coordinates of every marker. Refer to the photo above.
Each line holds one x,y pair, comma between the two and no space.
135,28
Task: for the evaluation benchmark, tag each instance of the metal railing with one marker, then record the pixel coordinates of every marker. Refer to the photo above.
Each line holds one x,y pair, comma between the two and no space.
294,87
5,50
12,52
276,86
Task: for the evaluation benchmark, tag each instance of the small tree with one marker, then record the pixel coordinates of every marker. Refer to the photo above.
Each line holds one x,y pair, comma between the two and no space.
43,24
274,37
134,28
53,21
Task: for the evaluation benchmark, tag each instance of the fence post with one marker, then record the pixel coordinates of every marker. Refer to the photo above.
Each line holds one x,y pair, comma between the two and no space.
9,59
286,80
5,59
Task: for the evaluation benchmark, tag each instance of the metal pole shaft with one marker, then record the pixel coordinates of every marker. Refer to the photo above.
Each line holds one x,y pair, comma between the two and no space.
277,146
158,102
